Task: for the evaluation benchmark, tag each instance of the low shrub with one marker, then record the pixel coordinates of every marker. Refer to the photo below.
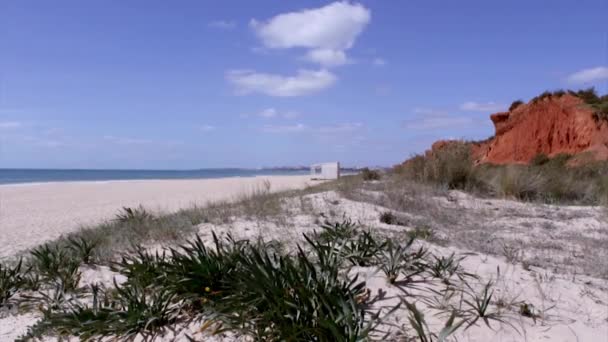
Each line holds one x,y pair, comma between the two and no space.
56,266
11,281
388,217
370,175
515,104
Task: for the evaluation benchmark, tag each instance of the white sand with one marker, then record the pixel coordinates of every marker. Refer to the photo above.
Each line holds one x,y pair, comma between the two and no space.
31,214
569,307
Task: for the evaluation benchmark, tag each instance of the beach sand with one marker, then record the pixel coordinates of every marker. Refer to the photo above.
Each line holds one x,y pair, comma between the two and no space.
31,214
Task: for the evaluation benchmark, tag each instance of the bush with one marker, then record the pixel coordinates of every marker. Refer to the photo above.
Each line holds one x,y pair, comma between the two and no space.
515,104
370,175
388,217
451,166
11,281
539,159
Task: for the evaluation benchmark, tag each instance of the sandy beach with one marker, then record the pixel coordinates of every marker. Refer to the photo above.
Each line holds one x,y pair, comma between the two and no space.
31,214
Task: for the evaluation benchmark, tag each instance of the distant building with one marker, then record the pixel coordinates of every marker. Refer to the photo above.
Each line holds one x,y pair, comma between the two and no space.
325,171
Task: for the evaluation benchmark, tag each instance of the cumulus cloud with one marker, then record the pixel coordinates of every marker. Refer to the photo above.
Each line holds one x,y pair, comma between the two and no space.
268,113
431,119
589,75
222,24
10,124
272,113
327,31
207,128
319,130
379,62
343,127
126,141
285,128
327,57
303,83
482,107
437,122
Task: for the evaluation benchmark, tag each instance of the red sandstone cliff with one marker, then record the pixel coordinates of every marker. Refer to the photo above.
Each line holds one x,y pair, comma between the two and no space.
551,125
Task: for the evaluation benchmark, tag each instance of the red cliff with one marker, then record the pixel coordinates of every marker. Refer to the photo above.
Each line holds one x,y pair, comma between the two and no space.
550,125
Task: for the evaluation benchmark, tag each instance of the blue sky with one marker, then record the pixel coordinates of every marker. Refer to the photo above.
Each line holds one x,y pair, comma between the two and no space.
195,84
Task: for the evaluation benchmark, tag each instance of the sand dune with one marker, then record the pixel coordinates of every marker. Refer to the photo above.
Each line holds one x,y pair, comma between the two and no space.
34,213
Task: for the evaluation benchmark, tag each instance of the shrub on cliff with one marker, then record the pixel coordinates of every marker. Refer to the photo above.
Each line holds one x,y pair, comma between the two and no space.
515,104
450,165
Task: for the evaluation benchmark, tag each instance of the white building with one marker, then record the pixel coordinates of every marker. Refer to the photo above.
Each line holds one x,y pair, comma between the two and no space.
325,171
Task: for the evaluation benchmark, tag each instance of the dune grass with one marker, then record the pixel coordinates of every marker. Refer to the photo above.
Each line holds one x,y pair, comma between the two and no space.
546,180
248,288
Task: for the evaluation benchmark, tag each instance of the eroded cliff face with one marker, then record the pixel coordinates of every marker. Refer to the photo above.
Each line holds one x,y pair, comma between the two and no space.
551,126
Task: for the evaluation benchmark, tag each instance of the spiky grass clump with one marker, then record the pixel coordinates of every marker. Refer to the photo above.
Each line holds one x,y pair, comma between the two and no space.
83,249
134,215
292,298
55,265
131,311
11,281
397,259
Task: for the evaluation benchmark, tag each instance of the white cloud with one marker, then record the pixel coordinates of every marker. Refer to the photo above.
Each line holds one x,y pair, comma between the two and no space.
589,75
327,57
207,128
222,24
285,128
126,141
290,115
9,124
320,130
268,113
343,127
379,62
327,31
272,113
303,83
436,122
483,107
429,111
430,119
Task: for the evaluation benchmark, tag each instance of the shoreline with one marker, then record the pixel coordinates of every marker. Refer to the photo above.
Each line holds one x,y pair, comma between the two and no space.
33,214
104,181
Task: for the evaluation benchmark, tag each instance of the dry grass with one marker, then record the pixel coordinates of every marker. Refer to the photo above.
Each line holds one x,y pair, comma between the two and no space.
547,180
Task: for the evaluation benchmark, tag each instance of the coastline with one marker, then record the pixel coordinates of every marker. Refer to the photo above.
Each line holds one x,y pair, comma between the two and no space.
32,213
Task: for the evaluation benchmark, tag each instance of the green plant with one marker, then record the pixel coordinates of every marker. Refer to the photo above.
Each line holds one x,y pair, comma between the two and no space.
539,159
388,218
132,311
199,274
515,104
418,323
363,250
338,231
142,267
55,265
83,249
11,281
422,233
479,306
370,175
291,298
134,215
396,259
445,267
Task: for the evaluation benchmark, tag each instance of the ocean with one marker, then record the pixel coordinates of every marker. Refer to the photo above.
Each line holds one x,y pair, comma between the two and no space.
18,176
